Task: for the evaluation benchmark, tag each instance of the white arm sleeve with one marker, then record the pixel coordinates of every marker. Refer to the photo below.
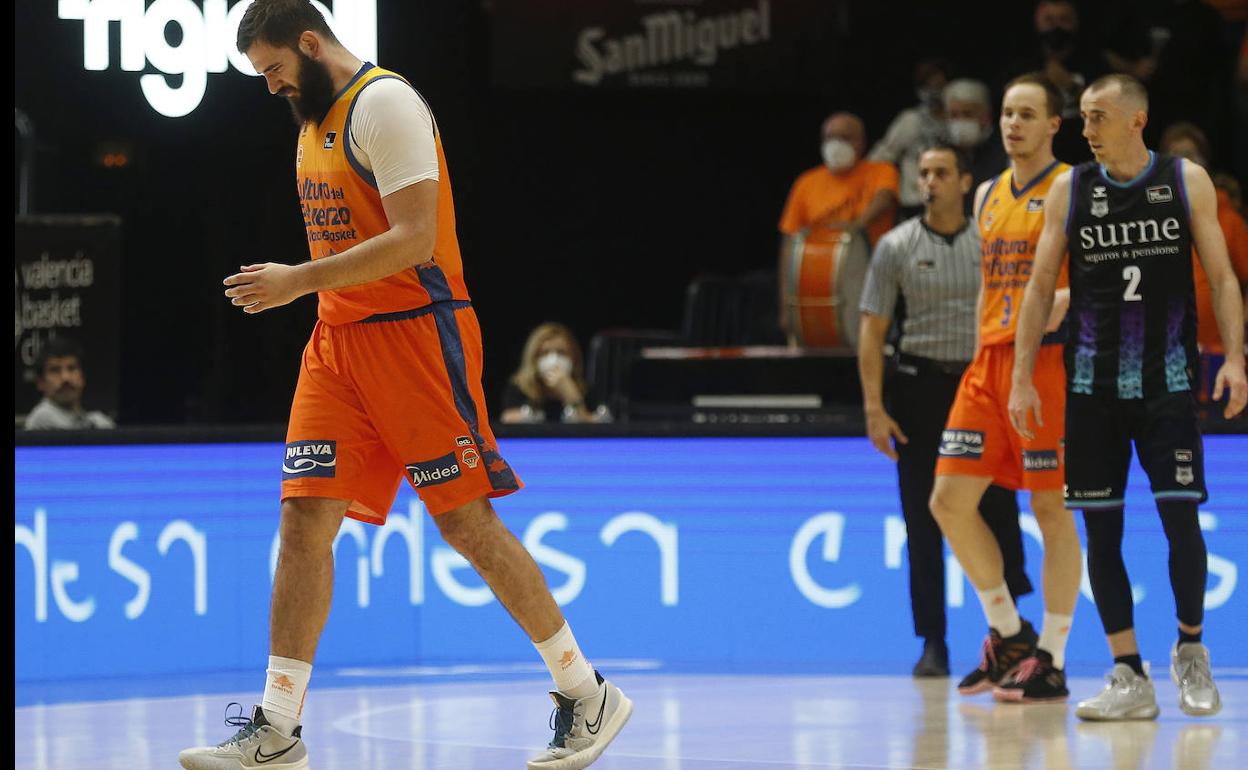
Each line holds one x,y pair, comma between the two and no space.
391,135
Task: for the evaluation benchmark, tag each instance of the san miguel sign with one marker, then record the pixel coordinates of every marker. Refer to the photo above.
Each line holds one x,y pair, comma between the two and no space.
664,44
205,35
669,38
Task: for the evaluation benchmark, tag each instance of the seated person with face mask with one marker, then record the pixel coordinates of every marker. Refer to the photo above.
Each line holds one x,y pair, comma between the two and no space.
549,386
969,125
846,193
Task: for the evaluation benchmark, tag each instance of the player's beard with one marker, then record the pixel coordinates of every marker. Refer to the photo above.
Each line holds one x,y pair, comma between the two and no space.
316,91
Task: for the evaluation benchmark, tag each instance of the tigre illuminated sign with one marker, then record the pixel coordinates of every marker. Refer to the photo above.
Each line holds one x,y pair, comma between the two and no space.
205,35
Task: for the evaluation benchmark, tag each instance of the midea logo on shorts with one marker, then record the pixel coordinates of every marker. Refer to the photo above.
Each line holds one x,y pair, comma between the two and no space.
205,33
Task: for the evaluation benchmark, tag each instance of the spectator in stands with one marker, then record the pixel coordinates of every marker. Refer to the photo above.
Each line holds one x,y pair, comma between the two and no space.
1063,52
60,379
847,192
913,129
1188,141
549,386
970,127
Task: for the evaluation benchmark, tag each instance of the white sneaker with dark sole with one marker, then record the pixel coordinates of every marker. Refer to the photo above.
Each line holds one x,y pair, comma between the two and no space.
257,744
583,728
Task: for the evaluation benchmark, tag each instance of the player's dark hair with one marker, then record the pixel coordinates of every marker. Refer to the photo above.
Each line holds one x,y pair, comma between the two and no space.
961,161
1128,86
1053,99
57,347
280,23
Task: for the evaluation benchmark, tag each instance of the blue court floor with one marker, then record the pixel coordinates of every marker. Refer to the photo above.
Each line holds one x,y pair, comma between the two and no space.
383,719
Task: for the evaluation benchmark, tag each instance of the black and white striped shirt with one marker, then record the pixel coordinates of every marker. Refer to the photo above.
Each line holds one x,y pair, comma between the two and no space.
939,278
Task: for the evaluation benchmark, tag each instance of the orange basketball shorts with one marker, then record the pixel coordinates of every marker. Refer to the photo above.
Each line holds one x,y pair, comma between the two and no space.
979,440
393,397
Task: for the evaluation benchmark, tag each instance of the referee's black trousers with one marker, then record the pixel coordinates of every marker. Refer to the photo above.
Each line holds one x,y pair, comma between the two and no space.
920,403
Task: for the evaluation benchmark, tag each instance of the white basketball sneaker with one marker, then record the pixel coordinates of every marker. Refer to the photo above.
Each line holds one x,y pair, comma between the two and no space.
1189,670
257,744
583,728
1127,695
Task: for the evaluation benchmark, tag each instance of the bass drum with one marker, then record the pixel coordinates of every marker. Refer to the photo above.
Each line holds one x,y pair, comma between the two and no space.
822,287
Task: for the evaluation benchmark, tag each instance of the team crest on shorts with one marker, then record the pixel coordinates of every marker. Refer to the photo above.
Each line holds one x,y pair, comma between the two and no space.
310,459
967,444
1183,474
470,457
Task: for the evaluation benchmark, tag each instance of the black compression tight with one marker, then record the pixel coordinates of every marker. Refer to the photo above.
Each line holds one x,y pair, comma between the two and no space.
1108,574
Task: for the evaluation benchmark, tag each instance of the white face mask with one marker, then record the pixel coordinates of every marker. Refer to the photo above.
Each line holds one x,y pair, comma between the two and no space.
838,154
554,365
965,132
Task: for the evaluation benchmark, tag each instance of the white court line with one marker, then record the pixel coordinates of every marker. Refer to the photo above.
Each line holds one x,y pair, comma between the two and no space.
342,726
494,668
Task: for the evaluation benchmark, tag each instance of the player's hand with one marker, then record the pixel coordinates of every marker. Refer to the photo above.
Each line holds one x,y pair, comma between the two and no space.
880,428
1024,399
262,287
1231,379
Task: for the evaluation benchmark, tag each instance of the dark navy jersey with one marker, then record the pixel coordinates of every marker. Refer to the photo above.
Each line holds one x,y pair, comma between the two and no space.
1132,297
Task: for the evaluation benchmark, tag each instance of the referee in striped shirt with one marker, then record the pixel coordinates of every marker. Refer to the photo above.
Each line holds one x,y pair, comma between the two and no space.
932,262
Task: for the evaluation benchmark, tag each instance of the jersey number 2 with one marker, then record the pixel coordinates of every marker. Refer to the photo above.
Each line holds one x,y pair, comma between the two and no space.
1131,274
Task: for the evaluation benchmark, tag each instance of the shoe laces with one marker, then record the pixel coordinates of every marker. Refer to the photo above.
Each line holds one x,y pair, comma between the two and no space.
247,727
561,720
1028,669
988,658
1196,675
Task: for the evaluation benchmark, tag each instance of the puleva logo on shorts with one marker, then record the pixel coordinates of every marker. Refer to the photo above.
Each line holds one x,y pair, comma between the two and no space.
1040,460
955,442
431,472
306,459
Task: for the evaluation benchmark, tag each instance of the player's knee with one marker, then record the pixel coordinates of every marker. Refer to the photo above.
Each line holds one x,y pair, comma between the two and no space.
944,506
310,524
1053,517
469,528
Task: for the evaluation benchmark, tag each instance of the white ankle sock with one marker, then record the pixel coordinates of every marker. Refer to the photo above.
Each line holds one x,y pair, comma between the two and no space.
573,675
285,685
1000,611
1053,637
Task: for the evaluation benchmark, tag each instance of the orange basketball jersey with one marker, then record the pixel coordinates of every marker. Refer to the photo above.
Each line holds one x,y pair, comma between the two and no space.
1010,219
342,207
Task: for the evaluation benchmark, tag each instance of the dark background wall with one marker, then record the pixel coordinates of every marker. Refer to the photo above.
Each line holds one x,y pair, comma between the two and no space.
593,208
